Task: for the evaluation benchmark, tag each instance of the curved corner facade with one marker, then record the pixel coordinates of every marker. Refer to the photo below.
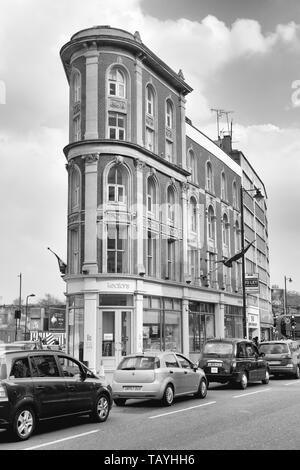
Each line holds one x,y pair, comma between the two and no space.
153,207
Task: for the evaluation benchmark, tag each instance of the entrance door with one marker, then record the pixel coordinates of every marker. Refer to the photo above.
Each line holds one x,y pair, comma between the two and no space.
116,336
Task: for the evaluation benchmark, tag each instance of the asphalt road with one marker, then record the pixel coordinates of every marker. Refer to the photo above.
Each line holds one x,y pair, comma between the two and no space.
262,417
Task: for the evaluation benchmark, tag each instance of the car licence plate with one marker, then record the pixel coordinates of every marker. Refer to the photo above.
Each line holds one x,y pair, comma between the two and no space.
214,370
275,363
131,387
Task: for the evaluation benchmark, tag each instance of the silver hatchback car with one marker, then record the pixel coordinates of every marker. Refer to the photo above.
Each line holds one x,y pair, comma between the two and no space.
157,375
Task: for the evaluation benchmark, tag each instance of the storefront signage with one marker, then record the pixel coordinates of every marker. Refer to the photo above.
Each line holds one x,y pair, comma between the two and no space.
118,286
252,283
108,336
253,321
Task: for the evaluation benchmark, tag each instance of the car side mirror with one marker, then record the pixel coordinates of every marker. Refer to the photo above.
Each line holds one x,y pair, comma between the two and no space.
195,367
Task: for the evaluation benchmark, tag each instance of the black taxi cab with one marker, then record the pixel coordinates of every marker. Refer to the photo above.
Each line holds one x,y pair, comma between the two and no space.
233,360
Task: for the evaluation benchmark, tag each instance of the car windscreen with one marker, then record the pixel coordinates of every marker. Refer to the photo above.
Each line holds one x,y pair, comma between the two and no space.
139,363
218,349
274,348
3,367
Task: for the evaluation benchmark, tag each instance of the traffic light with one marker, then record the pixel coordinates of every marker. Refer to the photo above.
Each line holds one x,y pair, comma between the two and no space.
283,327
293,322
17,314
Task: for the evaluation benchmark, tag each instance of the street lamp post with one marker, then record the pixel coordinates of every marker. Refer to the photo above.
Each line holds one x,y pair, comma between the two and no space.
258,196
26,308
285,298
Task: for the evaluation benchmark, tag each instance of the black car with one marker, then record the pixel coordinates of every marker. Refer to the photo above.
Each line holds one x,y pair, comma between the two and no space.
37,385
237,361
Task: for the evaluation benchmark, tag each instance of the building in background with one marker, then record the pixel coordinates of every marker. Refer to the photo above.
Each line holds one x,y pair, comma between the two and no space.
257,267
153,210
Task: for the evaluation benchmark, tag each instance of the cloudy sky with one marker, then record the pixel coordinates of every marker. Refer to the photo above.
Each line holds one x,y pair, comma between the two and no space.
238,55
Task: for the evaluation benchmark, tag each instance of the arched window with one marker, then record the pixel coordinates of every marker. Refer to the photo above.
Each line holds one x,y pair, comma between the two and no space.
74,189
234,194
211,230
192,164
169,115
150,119
209,177
225,230
117,184
223,186
116,83
76,87
169,131
150,100
237,237
151,195
193,214
171,205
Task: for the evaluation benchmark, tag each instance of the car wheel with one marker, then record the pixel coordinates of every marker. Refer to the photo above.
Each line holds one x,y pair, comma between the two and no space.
267,378
120,401
297,374
202,389
168,396
243,381
23,423
101,409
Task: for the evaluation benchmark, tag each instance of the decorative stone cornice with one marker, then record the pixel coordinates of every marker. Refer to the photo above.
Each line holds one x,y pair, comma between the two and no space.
139,164
119,160
90,157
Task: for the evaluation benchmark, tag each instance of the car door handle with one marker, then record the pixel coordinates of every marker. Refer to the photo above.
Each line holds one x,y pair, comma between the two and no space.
40,387
71,387
185,371
171,372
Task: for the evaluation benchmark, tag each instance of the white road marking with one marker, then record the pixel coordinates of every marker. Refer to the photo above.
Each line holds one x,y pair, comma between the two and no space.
61,440
293,383
184,409
251,393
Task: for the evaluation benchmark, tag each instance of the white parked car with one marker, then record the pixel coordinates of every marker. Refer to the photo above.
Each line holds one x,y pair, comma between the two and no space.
157,375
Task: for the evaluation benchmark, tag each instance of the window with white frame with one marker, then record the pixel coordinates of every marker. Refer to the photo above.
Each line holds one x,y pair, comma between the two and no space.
209,177
169,150
151,254
171,259
223,186
150,139
117,248
76,87
74,189
116,126
74,251
150,101
76,128
116,83
193,214
117,184
169,115
234,194
192,262
225,230
211,226
151,196
171,205
192,165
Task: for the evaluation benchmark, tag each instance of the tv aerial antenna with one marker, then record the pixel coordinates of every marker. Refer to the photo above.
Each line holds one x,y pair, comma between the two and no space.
219,114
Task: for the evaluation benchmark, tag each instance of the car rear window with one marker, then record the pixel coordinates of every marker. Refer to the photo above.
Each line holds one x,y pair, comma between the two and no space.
139,363
274,348
214,349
